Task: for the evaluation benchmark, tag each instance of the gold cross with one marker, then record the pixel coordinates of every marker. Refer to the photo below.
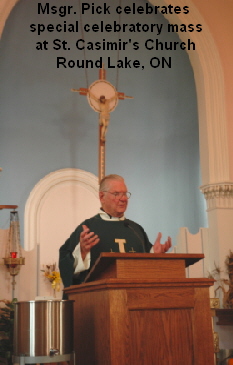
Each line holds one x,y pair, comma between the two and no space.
132,250
102,106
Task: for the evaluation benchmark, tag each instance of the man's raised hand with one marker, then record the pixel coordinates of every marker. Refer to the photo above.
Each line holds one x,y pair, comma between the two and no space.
87,241
159,247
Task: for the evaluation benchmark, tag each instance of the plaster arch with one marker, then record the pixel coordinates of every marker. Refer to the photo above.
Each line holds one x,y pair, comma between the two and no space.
5,8
206,62
57,188
209,80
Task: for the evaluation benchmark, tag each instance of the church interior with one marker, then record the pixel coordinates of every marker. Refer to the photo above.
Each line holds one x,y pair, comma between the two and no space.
169,133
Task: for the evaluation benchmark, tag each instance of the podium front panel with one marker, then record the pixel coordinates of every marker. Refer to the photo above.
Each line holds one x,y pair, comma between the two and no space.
143,322
141,310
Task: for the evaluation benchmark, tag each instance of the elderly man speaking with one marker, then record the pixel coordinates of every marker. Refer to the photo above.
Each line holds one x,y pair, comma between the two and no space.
108,231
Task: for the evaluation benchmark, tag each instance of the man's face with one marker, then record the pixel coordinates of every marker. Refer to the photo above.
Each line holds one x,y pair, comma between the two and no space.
112,205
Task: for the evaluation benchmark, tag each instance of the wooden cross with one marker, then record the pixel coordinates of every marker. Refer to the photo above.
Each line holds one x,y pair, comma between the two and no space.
103,98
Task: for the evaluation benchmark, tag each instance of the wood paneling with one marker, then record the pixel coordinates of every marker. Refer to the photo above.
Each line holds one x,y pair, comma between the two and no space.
148,298
169,341
132,266
143,321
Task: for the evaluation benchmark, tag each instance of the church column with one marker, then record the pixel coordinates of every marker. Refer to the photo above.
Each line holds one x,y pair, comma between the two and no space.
219,198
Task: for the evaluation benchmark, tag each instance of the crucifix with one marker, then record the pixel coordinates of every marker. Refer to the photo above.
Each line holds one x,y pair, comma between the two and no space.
103,98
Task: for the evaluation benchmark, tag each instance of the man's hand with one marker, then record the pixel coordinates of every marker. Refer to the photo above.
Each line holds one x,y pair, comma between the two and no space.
159,247
87,240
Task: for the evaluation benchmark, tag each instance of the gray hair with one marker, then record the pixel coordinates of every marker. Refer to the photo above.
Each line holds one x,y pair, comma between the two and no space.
104,183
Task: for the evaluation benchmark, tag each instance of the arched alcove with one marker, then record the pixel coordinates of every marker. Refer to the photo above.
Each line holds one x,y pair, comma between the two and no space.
209,79
72,187
61,200
210,90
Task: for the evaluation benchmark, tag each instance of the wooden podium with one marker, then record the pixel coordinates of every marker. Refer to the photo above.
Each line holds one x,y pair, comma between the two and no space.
140,309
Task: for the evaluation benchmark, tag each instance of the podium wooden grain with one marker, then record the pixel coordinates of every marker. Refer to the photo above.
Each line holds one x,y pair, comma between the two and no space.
140,309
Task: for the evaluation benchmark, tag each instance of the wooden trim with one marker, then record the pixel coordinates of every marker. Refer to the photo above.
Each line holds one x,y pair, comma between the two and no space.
141,265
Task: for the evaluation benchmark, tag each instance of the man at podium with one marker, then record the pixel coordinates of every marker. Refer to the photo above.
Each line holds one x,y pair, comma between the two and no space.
108,231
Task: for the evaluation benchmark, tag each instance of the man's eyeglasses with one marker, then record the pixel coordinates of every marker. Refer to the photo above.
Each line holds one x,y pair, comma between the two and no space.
117,195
